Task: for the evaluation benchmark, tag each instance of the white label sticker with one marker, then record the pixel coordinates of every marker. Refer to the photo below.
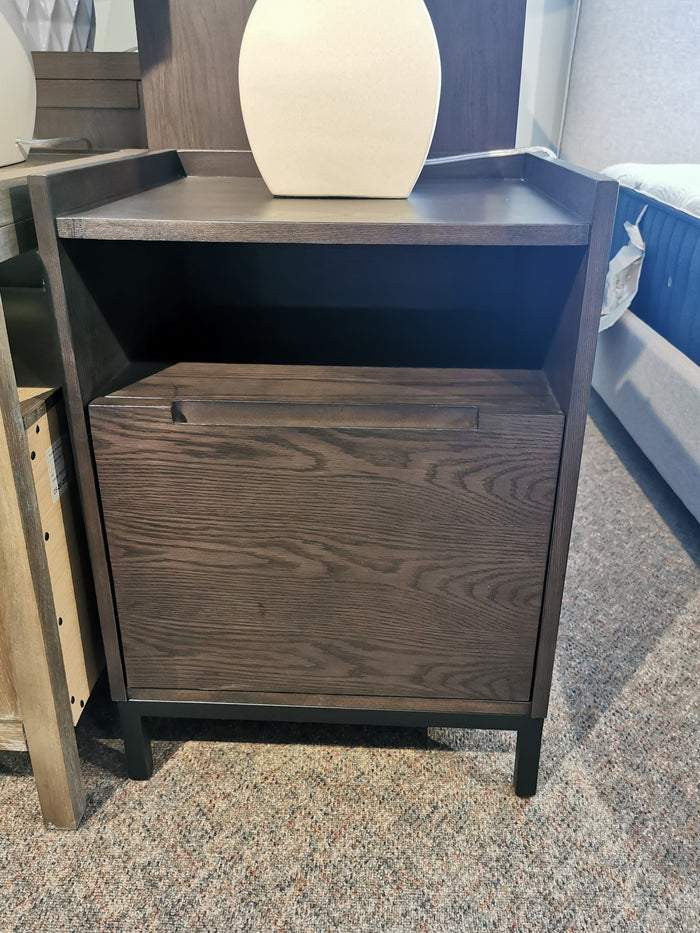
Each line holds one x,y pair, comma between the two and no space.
58,474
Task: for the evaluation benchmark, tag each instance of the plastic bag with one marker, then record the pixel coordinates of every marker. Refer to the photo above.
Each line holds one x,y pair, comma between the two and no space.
622,280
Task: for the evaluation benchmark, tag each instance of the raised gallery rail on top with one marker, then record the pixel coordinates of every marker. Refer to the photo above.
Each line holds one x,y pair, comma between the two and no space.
192,198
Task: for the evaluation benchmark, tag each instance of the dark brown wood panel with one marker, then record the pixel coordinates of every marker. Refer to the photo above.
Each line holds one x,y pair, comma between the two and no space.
574,188
239,162
388,558
347,701
88,94
94,66
105,128
481,48
492,390
373,560
89,349
95,96
464,211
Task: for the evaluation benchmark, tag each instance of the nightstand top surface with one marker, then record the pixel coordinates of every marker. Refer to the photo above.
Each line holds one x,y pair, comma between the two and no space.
468,211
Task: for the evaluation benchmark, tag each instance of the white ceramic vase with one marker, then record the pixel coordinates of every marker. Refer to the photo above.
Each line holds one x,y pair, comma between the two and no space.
17,86
340,97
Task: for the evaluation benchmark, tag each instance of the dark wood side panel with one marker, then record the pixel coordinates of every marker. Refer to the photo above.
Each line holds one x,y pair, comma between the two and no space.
85,186
376,560
89,350
574,188
191,99
571,382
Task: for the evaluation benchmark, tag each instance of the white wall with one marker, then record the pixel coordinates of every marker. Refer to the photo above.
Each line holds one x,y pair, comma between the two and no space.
635,83
549,26
115,25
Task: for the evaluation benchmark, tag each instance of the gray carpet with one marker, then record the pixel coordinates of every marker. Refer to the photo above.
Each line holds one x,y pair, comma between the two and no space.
252,827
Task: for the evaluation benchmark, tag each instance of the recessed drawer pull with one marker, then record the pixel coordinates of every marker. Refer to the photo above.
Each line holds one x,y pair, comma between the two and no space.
299,414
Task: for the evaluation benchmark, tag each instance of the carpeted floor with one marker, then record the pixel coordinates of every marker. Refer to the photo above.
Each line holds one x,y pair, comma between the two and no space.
248,827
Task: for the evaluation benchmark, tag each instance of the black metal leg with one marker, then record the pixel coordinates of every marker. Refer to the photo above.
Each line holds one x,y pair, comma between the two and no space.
527,758
137,743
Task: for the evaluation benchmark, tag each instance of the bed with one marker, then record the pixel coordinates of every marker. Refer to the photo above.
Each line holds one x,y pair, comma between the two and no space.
647,367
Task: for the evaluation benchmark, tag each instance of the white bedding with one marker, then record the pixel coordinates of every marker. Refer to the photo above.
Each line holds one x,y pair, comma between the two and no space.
676,185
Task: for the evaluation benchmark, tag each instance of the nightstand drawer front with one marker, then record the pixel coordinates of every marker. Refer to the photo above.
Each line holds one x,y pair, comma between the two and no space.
365,560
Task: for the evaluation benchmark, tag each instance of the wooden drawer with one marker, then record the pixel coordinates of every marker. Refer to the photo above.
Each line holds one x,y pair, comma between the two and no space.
329,530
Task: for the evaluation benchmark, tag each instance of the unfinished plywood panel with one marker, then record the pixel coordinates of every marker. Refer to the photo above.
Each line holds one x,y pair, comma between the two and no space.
52,471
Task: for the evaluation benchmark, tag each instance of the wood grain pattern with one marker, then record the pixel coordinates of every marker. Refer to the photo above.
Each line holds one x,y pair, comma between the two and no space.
97,66
445,211
15,203
17,233
512,391
12,736
105,127
9,704
95,357
111,95
191,99
71,585
194,529
16,238
34,402
91,354
323,415
427,704
28,620
375,560
95,97
481,46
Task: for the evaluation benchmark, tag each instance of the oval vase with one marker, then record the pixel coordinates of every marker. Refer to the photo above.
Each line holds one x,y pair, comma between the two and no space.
340,97
18,94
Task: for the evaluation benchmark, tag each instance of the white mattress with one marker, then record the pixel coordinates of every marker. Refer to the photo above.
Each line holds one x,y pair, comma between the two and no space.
676,185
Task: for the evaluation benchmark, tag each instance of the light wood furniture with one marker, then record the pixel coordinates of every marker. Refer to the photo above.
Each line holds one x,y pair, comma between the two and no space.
371,524
42,663
36,711
49,451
